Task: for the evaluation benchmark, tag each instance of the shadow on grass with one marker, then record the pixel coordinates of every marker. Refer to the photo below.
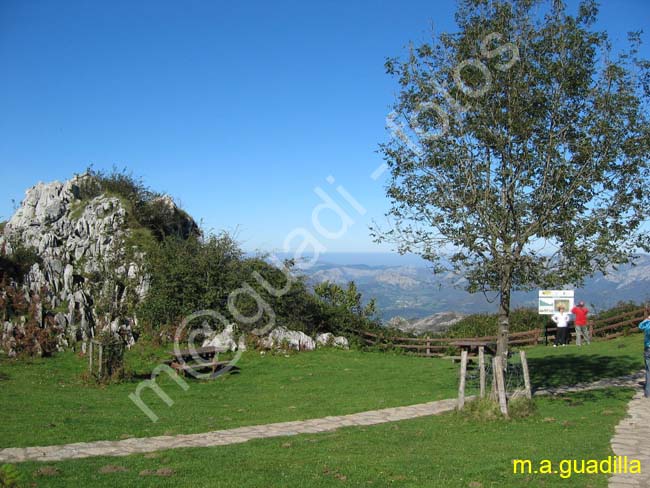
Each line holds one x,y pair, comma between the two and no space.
553,371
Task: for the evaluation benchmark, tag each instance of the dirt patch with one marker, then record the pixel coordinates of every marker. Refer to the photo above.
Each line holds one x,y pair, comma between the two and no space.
47,471
112,468
158,472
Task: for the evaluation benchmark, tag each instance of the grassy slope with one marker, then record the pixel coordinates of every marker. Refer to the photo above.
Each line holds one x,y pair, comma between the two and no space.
45,401
443,451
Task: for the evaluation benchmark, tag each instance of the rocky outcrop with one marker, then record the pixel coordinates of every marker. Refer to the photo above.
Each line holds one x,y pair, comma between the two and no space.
225,340
84,260
330,340
283,338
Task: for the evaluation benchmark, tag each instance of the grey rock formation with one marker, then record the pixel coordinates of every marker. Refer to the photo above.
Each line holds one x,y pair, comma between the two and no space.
225,340
281,337
79,241
330,340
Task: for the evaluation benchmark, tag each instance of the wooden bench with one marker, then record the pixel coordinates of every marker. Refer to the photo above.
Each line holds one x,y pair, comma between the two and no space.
200,359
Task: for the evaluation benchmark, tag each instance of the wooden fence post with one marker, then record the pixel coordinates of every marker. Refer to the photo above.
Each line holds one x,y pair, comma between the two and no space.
101,351
524,367
428,347
501,387
90,356
481,365
461,384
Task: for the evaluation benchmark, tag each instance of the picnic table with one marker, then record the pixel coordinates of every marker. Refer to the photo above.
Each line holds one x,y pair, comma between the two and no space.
199,359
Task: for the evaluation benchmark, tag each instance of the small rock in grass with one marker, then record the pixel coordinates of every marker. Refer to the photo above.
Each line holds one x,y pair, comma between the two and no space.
286,444
549,419
475,484
47,471
112,468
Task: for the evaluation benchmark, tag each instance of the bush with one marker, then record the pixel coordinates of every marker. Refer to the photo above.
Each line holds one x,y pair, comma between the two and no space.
112,365
14,266
146,208
9,476
488,410
478,325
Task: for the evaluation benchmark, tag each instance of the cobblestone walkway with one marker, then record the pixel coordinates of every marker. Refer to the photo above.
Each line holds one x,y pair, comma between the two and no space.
626,436
632,439
221,437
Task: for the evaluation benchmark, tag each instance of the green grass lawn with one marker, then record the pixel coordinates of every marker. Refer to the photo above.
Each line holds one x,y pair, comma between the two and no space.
443,451
45,401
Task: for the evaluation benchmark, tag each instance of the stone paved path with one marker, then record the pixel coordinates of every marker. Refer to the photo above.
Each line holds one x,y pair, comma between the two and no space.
632,439
221,437
243,434
630,380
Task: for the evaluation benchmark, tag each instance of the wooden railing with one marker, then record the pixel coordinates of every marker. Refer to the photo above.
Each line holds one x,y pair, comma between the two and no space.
600,329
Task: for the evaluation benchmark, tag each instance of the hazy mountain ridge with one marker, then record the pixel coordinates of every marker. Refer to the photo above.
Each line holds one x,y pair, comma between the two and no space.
414,292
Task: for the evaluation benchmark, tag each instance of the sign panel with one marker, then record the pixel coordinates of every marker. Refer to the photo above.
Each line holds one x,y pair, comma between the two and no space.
551,300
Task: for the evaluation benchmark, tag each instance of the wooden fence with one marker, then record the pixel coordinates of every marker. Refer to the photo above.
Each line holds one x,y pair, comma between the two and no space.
600,329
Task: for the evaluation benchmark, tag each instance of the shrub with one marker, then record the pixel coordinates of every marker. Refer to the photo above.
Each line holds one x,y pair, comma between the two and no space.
146,208
477,325
9,476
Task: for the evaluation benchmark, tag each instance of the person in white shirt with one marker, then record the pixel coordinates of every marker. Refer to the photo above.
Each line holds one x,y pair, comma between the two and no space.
561,319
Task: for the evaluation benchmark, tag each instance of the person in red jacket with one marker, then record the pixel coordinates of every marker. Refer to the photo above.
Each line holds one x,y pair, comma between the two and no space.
582,331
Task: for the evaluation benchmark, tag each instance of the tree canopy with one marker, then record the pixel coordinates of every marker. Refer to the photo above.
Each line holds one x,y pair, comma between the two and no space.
519,149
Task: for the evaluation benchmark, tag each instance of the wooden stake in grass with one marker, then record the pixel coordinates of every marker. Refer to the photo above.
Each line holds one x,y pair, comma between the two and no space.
524,367
461,385
481,365
500,381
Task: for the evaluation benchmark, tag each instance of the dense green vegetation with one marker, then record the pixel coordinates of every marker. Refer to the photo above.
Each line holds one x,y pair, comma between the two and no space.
192,271
484,324
521,319
444,451
146,207
47,401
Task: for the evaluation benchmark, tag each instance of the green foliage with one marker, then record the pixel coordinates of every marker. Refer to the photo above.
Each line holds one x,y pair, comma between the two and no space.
146,208
202,273
10,477
112,365
484,324
619,308
343,308
14,266
487,409
2,226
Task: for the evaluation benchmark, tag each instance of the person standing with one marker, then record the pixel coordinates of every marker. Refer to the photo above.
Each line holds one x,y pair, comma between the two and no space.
582,331
645,327
561,320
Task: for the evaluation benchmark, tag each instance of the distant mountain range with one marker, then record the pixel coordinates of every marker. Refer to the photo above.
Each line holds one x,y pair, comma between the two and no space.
412,291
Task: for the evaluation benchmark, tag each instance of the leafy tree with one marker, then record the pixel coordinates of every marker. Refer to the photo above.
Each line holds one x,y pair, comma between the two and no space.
342,308
520,149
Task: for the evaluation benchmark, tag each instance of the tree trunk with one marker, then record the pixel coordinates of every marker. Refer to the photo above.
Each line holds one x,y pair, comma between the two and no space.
504,317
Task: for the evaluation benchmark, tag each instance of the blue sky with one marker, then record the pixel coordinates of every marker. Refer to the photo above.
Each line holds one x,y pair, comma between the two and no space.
237,109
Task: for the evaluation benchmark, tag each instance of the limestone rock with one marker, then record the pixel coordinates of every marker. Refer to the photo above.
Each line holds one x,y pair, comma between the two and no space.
281,337
224,340
78,241
330,340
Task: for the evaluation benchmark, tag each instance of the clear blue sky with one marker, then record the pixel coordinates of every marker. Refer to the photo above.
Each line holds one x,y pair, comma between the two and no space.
237,109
